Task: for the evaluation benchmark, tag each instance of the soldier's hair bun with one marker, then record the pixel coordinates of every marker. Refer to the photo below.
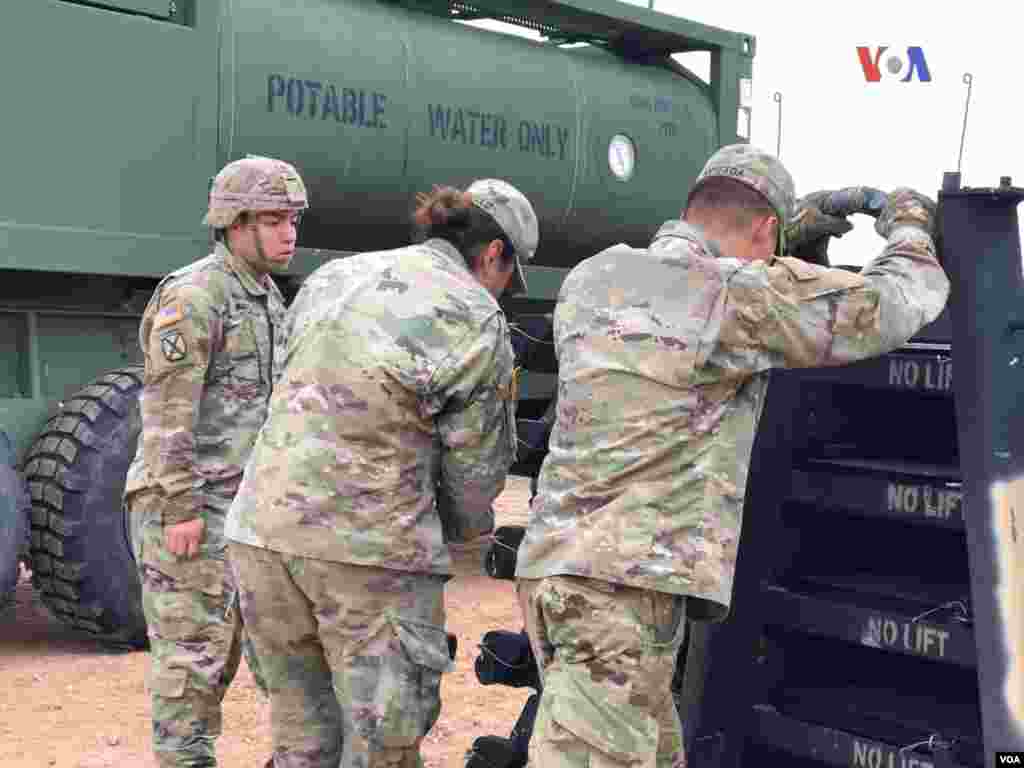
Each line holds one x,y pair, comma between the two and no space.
449,214
443,208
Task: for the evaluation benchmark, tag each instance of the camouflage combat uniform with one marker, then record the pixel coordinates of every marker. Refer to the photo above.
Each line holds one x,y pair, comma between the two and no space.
663,359
213,339
389,435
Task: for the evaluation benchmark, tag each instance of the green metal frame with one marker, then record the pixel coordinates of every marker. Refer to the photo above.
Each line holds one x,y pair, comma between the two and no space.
636,33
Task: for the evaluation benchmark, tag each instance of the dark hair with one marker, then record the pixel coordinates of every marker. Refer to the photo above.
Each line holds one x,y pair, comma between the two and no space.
732,200
448,213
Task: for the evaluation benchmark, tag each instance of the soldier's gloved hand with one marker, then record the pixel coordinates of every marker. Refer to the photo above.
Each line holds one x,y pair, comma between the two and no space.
849,200
821,215
183,539
907,207
807,233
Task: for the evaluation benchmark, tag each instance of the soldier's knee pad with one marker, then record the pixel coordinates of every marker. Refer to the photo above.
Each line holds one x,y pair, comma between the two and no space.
507,659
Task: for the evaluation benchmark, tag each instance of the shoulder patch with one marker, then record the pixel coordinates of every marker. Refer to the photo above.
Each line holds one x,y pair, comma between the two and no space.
173,346
169,315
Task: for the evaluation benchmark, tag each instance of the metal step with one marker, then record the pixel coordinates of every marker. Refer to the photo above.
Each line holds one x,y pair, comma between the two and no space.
870,584
917,493
949,642
840,748
921,368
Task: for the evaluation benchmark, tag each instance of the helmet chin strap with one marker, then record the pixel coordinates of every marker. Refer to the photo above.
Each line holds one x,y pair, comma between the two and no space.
261,263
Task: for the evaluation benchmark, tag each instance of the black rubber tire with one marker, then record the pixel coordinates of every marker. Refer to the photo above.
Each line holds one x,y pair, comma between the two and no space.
14,512
82,563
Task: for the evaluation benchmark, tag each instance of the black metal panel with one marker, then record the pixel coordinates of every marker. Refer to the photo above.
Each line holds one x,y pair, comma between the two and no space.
982,255
722,674
939,331
843,421
888,697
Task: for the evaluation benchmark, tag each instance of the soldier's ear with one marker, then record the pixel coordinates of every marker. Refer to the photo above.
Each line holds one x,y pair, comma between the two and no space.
490,256
765,236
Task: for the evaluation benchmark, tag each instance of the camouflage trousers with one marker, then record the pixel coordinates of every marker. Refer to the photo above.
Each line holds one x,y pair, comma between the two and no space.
352,655
195,635
606,655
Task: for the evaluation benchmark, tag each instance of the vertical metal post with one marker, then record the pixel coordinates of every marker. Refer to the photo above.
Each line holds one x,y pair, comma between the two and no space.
981,253
727,67
35,369
778,136
968,79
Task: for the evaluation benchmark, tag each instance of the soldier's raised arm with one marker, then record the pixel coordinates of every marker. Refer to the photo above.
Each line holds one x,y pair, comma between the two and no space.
794,314
477,429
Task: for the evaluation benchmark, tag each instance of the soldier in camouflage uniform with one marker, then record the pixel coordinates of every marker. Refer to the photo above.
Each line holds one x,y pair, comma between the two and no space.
213,338
663,360
389,436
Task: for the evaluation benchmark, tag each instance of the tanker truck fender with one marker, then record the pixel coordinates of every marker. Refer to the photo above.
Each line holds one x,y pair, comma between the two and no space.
80,544
14,521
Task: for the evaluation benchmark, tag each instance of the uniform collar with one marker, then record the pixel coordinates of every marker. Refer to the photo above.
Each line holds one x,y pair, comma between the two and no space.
449,250
682,230
252,284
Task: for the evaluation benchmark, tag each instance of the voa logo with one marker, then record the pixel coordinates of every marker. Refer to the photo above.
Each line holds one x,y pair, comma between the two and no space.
886,63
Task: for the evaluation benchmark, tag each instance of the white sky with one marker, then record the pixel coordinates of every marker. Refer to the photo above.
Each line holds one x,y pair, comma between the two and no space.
838,130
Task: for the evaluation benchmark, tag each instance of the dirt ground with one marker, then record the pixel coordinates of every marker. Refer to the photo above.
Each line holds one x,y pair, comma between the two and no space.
66,702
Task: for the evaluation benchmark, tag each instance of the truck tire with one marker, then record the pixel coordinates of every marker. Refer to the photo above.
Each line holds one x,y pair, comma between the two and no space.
80,544
14,511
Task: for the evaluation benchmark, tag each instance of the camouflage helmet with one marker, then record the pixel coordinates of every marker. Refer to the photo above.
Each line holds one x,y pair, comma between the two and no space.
760,171
254,183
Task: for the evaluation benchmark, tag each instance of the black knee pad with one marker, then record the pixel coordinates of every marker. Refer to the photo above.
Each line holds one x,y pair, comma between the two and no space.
506,659
500,562
494,752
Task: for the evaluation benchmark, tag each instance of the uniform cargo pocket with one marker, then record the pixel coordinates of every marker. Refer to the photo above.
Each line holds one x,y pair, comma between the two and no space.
167,683
183,575
586,710
410,684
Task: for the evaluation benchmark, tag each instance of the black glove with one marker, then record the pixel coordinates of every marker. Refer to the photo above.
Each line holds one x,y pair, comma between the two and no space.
821,215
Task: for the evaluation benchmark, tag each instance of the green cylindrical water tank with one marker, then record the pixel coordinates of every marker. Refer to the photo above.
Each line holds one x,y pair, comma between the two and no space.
374,102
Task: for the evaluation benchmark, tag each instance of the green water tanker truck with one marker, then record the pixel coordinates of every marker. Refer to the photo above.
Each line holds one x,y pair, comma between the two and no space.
119,112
